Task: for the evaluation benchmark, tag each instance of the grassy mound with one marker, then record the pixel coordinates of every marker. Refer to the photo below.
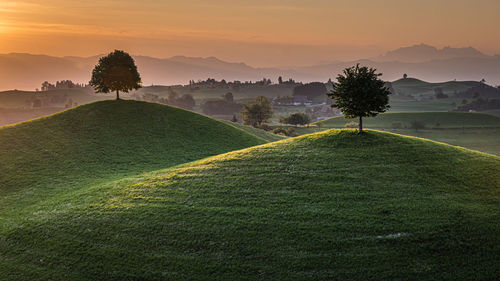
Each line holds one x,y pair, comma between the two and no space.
109,139
327,206
440,120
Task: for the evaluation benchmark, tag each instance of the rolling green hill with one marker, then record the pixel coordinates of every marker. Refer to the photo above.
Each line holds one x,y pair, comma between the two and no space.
328,206
413,86
109,139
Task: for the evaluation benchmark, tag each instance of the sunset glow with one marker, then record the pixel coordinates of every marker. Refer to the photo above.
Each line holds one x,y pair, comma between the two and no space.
245,30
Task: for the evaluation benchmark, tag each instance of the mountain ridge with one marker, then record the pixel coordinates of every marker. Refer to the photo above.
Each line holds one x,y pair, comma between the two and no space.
28,71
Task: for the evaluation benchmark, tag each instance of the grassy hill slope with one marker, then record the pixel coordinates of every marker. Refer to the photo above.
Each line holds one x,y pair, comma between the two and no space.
328,206
109,139
257,132
414,86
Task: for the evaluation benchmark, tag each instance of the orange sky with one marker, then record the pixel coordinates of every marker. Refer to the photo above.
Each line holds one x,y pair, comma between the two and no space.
261,33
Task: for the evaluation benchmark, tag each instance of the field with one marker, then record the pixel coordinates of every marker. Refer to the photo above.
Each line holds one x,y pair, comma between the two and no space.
329,206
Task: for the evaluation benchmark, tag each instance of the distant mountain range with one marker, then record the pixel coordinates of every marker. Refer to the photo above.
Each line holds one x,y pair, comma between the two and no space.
425,53
27,71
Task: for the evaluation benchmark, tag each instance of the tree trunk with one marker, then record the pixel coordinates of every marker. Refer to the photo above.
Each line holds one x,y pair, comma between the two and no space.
360,124
117,95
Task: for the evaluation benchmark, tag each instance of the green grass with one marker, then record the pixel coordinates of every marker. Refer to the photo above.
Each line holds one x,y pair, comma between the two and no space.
257,132
109,139
329,206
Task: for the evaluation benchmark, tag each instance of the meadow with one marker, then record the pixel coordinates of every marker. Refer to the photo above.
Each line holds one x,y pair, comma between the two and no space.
316,207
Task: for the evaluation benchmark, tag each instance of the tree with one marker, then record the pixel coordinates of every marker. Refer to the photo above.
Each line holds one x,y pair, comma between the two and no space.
258,112
114,73
228,97
296,119
360,93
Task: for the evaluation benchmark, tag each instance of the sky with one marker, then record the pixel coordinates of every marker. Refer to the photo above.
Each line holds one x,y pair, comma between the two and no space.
260,33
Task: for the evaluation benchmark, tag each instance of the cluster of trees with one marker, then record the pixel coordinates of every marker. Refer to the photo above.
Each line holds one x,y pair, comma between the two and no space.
310,90
258,112
63,84
185,101
223,84
295,119
288,82
224,106
290,132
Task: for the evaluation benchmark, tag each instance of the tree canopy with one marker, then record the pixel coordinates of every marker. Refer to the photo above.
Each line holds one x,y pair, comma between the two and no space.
261,110
114,73
360,93
296,119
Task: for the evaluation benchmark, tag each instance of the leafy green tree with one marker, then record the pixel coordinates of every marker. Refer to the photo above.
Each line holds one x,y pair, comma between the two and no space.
296,119
360,93
228,97
114,73
258,112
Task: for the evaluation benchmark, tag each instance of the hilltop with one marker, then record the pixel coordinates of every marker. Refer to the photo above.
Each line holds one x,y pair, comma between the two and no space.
472,130
413,86
109,139
331,205
437,120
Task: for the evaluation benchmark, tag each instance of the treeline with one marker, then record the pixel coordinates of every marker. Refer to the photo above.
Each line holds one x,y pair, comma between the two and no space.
236,85
185,101
63,84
